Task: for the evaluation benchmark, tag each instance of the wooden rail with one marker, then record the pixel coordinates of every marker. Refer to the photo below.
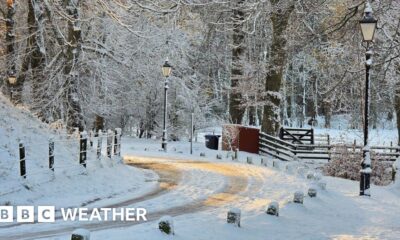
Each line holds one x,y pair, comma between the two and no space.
287,151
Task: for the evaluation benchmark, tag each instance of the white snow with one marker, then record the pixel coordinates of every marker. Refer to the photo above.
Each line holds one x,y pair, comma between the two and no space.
336,213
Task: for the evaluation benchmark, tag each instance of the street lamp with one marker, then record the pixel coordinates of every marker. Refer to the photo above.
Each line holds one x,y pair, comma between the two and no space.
368,26
166,71
12,80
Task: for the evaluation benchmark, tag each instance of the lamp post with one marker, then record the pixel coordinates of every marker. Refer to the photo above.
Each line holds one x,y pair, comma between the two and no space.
12,80
166,71
368,26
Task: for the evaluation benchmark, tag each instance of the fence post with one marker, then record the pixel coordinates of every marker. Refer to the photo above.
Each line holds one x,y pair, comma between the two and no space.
109,143
91,133
22,166
117,142
329,148
99,143
281,133
312,136
51,154
83,149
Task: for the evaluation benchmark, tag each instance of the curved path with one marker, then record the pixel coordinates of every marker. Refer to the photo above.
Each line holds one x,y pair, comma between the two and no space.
234,181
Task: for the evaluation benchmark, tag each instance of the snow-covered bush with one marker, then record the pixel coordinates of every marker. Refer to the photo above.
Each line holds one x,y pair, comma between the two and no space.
166,225
80,234
347,164
234,216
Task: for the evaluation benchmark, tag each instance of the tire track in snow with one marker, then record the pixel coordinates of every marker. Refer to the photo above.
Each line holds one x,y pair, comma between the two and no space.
236,189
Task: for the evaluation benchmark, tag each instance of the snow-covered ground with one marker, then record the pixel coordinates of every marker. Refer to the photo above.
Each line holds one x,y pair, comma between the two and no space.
337,212
197,191
70,185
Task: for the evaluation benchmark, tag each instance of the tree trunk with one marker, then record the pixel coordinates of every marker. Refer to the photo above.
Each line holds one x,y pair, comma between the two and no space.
277,62
397,104
235,110
8,89
72,99
37,58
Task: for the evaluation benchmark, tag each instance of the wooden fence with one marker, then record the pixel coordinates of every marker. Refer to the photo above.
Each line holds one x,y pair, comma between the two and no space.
287,151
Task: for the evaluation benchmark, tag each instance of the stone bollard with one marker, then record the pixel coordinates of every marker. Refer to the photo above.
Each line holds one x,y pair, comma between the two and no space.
298,197
166,225
312,192
322,185
234,216
202,154
249,160
80,234
273,209
310,176
219,156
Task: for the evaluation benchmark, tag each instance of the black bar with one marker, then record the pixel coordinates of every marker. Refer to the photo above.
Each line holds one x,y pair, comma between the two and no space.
22,166
51,155
83,150
99,144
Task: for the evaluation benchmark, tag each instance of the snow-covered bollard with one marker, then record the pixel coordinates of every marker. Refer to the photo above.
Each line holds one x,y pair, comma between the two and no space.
234,216
312,192
249,160
166,225
262,161
310,176
322,185
202,154
80,234
275,164
273,209
298,197
219,156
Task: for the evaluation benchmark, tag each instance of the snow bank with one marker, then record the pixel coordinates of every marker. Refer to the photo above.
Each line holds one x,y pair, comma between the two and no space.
70,184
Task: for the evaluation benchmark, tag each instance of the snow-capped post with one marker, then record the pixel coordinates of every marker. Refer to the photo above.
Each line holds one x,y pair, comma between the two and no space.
117,142
233,216
249,160
51,154
191,132
91,138
109,143
368,26
166,225
312,192
395,169
80,234
273,209
83,149
298,197
99,143
22,165
365,172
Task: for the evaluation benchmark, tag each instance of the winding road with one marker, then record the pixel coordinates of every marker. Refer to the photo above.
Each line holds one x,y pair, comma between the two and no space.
177,178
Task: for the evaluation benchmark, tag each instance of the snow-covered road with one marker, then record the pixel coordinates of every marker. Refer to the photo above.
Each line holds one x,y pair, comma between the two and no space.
199,193
184,187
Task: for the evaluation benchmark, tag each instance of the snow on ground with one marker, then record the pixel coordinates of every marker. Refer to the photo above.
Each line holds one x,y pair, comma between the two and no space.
71,184
337,212
220,184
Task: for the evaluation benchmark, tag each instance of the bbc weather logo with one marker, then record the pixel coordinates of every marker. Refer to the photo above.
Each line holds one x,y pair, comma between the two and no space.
47,214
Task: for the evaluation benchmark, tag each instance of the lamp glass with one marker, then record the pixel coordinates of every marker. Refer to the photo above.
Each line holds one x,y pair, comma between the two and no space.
12,80
166,69
368,30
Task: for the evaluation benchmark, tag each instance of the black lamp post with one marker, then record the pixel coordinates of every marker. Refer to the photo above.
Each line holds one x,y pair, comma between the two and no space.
368,26
166,71
12,80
